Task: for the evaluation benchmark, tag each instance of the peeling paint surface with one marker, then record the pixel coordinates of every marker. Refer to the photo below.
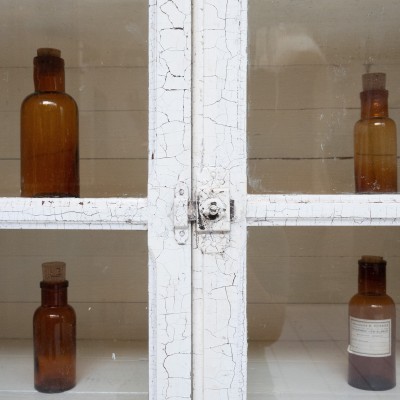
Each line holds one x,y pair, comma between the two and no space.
323,210
169,165
73,213
219,145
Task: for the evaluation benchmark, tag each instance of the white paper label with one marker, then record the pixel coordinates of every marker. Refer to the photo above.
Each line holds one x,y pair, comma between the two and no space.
371,338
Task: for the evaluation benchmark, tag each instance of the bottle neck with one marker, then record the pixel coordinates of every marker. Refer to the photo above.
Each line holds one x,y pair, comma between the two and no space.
374,103
48,74
372,279
54,294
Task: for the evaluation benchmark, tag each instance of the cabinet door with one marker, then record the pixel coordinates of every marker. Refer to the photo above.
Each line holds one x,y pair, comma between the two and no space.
122,305
307,228
207,127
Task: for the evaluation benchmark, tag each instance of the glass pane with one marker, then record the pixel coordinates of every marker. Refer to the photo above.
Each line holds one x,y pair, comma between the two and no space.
107,274
306,60
104,46
300,281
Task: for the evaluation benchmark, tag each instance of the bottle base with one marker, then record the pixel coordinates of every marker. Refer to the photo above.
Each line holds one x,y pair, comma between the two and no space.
53,388
372,384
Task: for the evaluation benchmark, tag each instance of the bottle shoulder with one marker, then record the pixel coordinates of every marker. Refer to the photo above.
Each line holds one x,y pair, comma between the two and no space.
37,98
376,121
54,311
371,300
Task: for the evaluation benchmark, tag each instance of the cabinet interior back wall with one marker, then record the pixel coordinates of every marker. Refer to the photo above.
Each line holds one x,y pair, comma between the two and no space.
105,48
304,79
107,75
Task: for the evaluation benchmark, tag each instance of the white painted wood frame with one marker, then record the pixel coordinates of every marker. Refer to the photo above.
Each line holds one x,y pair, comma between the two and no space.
197,128
219,160
169,164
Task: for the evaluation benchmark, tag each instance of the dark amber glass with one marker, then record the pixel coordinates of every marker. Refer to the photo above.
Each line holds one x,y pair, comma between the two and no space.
375,140
54,336
372,329
49,133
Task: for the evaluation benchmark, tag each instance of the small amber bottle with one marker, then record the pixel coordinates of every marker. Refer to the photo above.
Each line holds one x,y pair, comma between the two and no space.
372,329
54,334
49,132
375,139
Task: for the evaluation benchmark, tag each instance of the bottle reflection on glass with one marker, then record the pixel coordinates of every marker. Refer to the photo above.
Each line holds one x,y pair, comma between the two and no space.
54,334
372,329
375,141
49,132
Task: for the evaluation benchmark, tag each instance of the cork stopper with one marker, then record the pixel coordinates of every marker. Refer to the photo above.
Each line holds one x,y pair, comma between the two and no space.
374,81
45,51
53,271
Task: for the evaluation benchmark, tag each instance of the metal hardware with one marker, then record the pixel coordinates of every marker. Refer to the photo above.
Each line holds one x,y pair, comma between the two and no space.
181,221
212,211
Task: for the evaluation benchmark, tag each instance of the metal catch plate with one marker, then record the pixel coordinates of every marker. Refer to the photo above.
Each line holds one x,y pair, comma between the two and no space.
214,211
181,222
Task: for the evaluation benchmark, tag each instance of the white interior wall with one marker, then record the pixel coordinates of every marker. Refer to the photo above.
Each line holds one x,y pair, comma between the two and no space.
104,46
306,59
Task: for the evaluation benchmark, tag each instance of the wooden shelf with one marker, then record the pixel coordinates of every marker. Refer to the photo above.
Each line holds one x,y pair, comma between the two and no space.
312,370
105,370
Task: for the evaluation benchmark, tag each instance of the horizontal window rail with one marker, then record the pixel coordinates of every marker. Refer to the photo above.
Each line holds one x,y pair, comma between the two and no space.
323,210
73,213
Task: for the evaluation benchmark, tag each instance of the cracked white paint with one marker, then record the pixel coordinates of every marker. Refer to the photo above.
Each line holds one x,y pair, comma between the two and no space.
169,165
219,144
73,213
323,210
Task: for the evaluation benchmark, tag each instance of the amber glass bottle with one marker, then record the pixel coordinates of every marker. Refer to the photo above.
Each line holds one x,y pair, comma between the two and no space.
54,334
49,132
372,329
375,142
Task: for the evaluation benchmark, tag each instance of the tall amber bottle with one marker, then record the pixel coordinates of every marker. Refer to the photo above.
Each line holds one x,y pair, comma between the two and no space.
54,334
372,329
49,132
375,141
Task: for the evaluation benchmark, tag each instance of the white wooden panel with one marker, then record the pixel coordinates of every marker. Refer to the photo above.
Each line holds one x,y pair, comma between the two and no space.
92,278
300,268
107,271
308,360
70,213
302,87
98,178
170,322
113,134
103,134
114,321
72,243
270,210
105,370
302,134
106,73
113,177
78,28
105,88
311,370
328,32
219,280
331,176
304,83
324,279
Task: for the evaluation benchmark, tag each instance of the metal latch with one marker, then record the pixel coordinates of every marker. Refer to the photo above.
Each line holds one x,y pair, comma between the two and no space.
181,218
212,211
